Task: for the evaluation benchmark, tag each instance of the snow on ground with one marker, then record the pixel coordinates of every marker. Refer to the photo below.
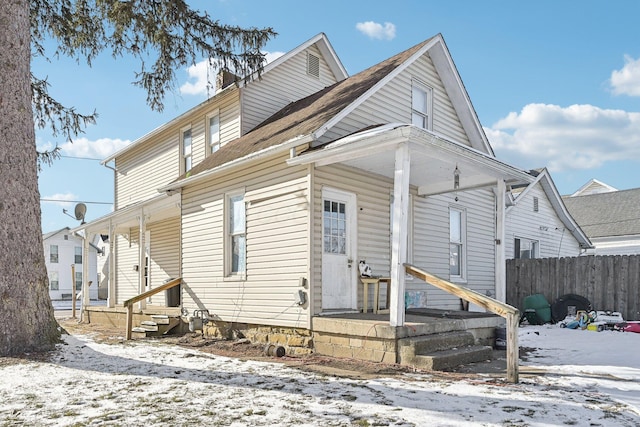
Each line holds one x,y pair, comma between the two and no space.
574,377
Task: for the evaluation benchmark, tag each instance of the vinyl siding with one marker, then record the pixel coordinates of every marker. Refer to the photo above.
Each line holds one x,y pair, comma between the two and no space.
165,255
373,210
126,257
282,85
277,245
543,226
431,243
157,161
392,103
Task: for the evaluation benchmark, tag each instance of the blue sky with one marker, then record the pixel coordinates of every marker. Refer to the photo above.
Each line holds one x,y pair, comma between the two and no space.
554,83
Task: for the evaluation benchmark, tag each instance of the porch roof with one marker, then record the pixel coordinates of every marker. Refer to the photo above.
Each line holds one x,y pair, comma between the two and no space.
433,159
162,206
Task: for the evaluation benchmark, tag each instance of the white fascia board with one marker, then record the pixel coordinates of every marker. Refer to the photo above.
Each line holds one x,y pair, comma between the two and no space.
285,146
555,199
381,83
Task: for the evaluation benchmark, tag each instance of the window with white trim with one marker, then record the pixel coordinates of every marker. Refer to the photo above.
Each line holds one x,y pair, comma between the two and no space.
54,280
78,255
53,254
525,248
421,101
213,134
236,247
185,151
457,250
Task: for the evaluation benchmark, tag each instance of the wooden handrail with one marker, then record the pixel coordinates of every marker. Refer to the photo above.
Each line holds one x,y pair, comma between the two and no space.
129,303
504,310
163,287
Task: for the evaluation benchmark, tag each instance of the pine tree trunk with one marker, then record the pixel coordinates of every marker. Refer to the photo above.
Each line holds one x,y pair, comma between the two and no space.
27,323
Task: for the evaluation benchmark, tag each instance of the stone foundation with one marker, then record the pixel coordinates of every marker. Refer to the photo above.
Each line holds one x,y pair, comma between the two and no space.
296,341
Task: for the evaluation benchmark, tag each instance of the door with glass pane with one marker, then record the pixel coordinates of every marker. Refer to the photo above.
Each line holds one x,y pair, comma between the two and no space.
338,246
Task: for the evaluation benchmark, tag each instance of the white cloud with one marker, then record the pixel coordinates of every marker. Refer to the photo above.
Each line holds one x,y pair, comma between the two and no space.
377,31
201,77
61,199
566,138
98,149
626,81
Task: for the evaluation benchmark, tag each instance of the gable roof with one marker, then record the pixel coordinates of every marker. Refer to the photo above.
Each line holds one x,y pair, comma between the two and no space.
543,177
310,117
320,41
53,233
593,187
303,117
614,213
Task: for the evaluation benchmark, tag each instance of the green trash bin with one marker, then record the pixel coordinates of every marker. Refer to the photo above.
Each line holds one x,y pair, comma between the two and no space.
537,310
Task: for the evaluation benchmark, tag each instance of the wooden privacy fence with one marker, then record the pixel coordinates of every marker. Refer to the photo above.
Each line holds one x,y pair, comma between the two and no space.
609,282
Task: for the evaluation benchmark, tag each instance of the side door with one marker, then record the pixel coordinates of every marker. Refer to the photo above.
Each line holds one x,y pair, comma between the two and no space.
339,278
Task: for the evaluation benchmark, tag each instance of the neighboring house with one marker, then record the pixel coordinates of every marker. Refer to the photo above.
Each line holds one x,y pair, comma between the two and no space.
538,224
594,187
62,250
610,217
264,198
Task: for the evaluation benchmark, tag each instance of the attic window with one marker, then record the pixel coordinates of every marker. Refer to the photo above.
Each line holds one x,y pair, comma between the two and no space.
535,204
66,237
313,65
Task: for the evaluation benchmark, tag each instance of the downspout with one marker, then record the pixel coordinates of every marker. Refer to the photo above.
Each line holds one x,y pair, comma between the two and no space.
141,257
111,292
500,256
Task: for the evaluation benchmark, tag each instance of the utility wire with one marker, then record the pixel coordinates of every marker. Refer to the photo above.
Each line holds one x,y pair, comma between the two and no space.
76,201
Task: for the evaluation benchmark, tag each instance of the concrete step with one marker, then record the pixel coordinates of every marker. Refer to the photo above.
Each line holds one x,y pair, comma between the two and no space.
160,319
441,351
447,359
152,328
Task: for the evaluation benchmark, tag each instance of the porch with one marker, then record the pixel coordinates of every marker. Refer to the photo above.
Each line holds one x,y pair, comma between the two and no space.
429,338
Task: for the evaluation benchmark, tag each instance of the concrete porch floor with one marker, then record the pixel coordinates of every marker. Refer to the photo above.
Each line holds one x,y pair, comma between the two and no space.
368,336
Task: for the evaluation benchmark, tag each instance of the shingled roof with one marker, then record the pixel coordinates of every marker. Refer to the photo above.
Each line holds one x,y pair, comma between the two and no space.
607,214
304,116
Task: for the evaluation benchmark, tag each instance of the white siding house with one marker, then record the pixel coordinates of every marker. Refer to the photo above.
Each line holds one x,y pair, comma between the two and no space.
314,172
63,249
538,225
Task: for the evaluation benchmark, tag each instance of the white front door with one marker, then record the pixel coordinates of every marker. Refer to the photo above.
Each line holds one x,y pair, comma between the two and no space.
339,286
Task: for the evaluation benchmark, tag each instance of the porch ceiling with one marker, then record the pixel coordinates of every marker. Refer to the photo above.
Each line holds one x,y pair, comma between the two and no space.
433,159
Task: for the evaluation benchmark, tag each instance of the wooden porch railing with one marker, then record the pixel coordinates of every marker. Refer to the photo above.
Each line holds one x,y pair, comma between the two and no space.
504,310
129,303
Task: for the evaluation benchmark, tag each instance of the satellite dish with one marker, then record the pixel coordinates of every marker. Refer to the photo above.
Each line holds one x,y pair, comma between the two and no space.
80,210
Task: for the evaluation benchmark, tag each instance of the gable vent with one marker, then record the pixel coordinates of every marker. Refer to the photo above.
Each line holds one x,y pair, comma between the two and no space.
66,237
535,204
313,65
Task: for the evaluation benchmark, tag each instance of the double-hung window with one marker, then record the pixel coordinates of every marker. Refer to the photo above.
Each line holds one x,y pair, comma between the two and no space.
525,248
53,254
213,123
54,280
78,280
236,247
457,243
421,102
186,149
78,255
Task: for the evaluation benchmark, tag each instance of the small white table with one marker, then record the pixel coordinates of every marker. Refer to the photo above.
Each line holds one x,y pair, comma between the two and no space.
375,281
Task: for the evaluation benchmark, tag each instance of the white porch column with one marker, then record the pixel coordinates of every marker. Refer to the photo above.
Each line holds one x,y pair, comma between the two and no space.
111,283
500,270
141,257
85,270
399,237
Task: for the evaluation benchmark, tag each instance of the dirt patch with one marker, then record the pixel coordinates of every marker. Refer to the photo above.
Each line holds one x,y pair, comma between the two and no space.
245,350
